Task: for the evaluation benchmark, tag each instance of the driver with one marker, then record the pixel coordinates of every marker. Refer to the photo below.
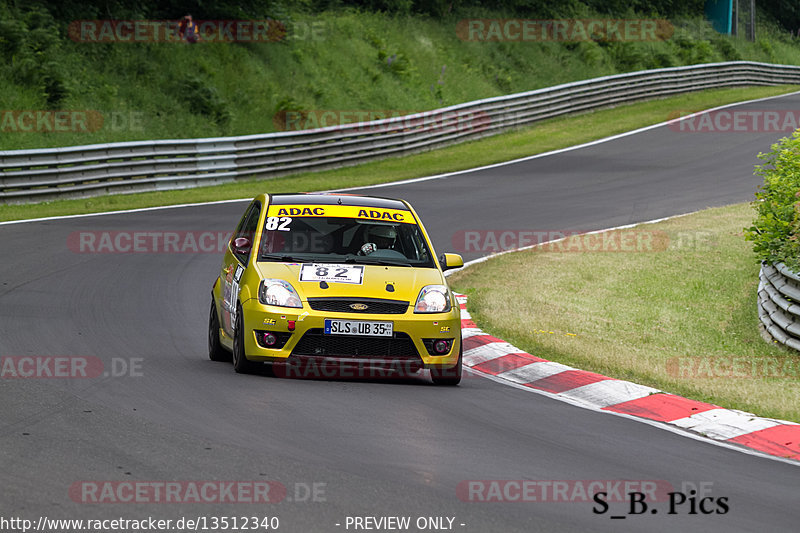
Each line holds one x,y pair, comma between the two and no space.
379,237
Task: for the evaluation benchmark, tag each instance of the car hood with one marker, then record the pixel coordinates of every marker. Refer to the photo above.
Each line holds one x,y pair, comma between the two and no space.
407,282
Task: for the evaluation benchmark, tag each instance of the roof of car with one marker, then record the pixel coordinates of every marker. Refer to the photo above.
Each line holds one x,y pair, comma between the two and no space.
333,199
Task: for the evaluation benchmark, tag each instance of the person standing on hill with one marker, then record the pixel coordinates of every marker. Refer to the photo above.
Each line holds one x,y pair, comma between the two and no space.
188,30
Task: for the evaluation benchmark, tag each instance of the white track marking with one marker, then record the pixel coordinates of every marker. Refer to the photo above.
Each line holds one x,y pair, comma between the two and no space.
660,425
609,392
486,352
710,426
534,372
724,423
561,150
425,178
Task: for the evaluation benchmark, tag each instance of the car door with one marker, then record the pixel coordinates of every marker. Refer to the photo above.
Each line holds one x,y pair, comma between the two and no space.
237,256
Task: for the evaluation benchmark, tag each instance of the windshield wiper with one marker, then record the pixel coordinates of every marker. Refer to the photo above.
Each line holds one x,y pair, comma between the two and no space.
382,261
349,259
283,257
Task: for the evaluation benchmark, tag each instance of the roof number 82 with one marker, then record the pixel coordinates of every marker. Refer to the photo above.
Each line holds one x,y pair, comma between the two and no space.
280,224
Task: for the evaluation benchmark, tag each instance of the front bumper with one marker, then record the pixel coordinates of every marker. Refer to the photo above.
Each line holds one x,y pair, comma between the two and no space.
306,339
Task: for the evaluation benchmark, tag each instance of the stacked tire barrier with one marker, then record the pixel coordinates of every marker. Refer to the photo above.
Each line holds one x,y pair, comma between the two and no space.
779,304
128,167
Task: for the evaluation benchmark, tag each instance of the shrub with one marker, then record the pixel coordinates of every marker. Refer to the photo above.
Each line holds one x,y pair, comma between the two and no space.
726,49
627,56
12,37
30,47
776,230
204,100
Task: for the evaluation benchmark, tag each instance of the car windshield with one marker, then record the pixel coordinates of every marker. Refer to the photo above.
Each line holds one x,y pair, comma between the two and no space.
344,240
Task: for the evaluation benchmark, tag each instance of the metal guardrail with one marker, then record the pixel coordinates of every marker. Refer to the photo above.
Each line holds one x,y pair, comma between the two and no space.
127,167
779,304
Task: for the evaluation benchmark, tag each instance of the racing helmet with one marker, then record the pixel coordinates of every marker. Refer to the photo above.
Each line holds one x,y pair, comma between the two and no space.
382,235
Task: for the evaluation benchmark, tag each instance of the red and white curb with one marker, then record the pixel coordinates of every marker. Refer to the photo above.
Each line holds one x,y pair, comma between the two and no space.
494,357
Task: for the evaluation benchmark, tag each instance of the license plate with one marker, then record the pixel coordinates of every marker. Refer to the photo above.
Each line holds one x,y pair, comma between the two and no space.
334,273
358,327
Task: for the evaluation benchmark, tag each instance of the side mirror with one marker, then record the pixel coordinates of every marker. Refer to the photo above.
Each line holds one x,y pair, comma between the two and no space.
449,261
241,245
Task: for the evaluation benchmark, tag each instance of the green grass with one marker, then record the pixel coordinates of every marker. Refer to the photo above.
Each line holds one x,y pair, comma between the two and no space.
679,315
549,135
357,61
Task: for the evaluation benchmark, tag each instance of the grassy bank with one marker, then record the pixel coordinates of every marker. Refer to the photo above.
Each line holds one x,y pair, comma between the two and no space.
678,312
340,60
543,137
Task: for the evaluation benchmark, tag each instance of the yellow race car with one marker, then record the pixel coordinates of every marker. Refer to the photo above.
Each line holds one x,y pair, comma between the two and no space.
335,285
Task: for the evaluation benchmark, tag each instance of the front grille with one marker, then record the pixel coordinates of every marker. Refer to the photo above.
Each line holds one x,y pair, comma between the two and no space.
315,342
374,305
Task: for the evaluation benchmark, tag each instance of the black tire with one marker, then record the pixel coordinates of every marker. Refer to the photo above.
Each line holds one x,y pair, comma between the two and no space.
240,362
448,376
215,350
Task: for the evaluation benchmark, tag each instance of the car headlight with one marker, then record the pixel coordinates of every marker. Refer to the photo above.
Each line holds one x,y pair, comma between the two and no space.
278,292
433,299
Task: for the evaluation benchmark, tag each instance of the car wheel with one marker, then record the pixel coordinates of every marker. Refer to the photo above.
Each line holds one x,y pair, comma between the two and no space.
240,363
215,350
448,376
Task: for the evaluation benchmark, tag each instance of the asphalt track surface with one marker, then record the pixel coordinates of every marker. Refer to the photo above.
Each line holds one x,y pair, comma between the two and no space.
374,448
